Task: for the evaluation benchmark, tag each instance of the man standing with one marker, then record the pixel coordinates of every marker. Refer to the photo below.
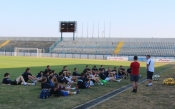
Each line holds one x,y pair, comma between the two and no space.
150,69
134,77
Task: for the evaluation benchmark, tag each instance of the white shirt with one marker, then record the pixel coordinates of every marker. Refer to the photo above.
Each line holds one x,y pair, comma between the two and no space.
150,63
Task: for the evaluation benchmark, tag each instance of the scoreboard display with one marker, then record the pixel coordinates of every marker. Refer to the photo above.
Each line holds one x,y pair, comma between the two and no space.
68,26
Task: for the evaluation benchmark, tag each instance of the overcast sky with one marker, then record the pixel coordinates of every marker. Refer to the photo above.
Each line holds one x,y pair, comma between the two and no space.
129,18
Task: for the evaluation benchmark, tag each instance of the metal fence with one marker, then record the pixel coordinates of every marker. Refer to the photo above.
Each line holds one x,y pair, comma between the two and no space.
78,56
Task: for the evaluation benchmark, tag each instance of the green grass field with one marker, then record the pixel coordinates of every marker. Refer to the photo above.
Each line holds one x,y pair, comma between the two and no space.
158,96
27,97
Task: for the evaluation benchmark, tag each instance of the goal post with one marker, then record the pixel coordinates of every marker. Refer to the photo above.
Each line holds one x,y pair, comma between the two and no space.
27,51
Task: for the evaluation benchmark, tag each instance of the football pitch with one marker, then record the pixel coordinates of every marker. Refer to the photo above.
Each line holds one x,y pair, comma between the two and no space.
27,97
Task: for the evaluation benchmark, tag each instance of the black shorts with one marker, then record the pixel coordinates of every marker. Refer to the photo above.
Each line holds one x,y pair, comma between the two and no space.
15,83
149,75
134,78
93,80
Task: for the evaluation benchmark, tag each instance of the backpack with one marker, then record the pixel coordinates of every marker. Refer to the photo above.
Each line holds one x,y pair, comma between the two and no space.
44,94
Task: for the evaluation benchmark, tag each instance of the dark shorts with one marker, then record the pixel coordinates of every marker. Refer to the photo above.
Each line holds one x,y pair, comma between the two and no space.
65,93
121,73
85,86
134,78
15,83
149,75
93,80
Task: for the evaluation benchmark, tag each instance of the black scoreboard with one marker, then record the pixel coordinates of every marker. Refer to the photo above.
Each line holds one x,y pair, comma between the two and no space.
68,26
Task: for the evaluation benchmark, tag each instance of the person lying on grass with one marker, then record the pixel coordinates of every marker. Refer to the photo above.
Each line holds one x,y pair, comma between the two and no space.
83,82
18,81
59,93
104,77
28,76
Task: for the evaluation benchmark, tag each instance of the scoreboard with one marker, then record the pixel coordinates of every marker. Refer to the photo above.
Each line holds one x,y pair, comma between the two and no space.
68,26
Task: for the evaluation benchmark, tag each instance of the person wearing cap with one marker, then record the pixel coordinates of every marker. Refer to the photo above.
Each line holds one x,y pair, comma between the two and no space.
28,76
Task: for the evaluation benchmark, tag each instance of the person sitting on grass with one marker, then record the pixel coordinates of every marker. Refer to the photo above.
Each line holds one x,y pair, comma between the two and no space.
101,68
47,69
75,73
59,93
64,69
109,73
94,69
55,74
122,72
83,82
51,78
46,74
28,76
70,78
114,70
104,77
45,84
94,79
18,81
39,76
86,69
62,79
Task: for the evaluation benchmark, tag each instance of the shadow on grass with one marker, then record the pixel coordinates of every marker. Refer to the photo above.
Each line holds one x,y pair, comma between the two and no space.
28,97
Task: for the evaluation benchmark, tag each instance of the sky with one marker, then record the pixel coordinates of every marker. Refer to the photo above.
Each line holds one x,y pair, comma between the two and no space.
116,18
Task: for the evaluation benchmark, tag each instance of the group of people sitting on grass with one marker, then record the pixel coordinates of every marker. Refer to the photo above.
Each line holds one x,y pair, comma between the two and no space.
61,84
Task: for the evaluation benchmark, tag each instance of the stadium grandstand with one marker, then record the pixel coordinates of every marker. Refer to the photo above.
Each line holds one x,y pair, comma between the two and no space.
96,46
7,44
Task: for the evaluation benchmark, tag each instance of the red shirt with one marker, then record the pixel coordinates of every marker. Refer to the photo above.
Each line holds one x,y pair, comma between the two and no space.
135,66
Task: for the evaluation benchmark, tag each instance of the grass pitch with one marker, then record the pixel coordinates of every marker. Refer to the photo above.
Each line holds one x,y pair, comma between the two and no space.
158,96
22,97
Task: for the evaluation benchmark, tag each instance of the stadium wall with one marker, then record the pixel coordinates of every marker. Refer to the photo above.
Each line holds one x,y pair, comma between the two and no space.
86,56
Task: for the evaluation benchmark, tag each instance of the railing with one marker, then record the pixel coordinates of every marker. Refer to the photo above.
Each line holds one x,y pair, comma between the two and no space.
79,56
54,45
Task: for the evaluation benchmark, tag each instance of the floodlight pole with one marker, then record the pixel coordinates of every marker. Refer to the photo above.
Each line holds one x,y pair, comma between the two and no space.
110,30
93,30
98,29
87,29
